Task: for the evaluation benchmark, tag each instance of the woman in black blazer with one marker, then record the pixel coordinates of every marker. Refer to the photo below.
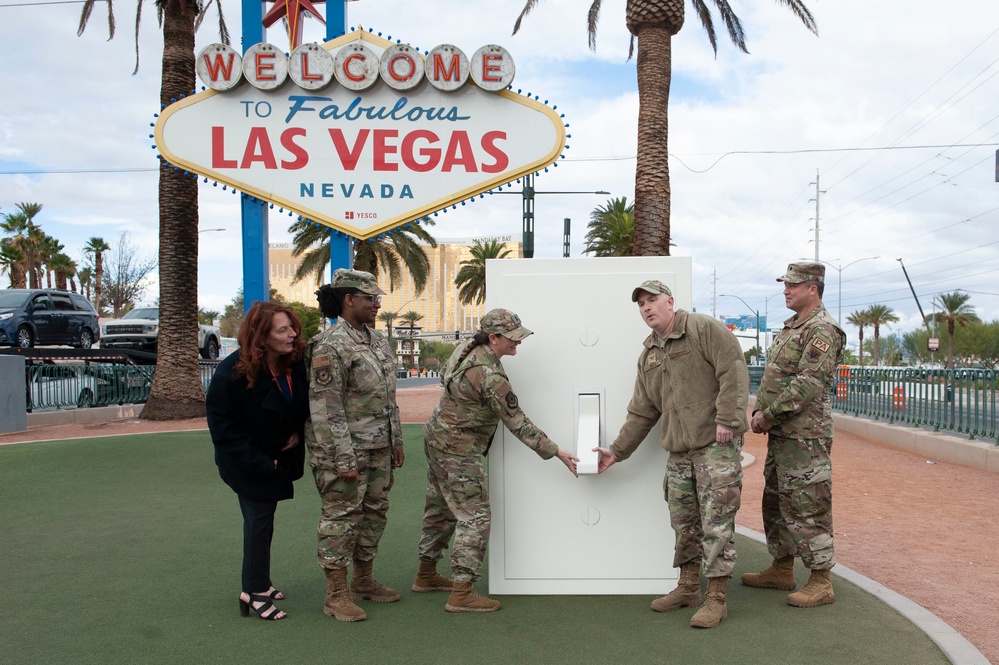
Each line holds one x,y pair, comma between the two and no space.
257,404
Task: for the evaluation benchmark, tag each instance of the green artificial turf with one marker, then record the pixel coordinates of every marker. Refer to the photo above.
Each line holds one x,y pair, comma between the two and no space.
127,550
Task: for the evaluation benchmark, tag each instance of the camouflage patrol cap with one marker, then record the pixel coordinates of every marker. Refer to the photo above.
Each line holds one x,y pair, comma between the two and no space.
504,322
804,272
357,279
653,286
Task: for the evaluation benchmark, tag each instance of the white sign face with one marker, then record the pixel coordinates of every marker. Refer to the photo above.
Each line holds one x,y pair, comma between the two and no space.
361,161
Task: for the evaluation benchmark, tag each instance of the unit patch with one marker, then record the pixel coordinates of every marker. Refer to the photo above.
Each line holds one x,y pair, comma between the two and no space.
323,376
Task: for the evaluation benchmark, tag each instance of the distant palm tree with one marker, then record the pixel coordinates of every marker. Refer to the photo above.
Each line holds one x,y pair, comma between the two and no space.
12,263
877,316
955,312
86,277
26,237
312,243
50,249
860,318
410,319
471,277
611,230
208,316
96,247
653,23
64,268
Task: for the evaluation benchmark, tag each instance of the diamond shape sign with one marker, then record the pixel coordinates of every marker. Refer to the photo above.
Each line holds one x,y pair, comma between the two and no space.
361,161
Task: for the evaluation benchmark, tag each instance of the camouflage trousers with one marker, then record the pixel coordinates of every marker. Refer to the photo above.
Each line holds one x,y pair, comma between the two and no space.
354,513
704,491
797,500
457,503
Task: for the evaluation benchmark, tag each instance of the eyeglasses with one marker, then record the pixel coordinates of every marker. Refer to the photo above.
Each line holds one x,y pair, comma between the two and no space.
375,300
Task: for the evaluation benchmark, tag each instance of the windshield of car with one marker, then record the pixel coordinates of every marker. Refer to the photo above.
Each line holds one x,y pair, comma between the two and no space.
143,313
11,299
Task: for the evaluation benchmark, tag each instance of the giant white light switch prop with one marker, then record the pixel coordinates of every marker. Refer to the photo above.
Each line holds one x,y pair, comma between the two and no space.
596,534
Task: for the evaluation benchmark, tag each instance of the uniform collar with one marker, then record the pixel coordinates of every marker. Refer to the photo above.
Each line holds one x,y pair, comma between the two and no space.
795,322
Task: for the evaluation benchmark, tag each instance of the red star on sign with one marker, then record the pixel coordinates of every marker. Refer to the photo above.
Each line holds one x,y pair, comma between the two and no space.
294,11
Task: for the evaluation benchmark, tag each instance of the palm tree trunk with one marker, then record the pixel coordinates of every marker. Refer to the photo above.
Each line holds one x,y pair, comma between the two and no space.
860,349
177,392
652,191
98,279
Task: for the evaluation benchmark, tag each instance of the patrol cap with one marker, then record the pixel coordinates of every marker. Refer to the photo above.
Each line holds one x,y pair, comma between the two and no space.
804,272
357,279
504,322
650,286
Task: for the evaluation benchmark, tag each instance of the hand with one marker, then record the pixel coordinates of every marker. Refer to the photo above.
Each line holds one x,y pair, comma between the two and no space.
607,459
722,434
398,457
759,424
349,476
292,442
568,459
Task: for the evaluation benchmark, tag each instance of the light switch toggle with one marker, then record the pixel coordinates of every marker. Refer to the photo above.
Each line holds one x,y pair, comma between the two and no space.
589,430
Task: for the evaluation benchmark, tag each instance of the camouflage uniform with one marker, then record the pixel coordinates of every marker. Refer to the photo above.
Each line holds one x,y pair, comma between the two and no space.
693,380
794,397
353,424
477,395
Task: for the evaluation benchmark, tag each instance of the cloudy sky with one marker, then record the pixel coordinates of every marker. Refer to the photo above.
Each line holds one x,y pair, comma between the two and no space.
894,112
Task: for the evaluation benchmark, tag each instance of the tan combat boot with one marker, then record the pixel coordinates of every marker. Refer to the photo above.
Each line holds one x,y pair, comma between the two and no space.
338,604
365,587
714,608
687,592
817,591
780,575
463,599
427,579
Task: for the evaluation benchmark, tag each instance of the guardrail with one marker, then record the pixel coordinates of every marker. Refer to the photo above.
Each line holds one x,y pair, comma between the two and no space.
87,384
960,400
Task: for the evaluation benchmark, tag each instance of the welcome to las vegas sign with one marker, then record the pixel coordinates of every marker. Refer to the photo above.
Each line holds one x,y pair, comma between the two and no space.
359,134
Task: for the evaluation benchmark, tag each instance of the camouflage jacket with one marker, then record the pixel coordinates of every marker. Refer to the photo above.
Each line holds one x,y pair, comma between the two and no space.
352,403
477,395
694,379
801,368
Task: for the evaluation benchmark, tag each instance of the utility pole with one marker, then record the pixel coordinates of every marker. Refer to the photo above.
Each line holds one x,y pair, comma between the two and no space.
816,199
914,296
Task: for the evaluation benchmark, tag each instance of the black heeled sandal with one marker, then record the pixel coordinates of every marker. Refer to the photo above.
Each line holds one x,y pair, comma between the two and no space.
266,611
273,594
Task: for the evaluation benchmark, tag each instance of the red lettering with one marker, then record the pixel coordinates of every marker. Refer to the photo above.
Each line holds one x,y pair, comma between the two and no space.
409,61
459,153
258,149
288,143
261,66
348,156
432,156
489,145
306,75
219,64
382,149
488,68
346,67
449,72
218,150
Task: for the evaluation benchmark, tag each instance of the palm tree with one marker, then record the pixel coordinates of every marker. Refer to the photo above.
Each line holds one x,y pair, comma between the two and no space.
471,277
955,312
312,243
860,318
64,268
86,277
96,247
12,263
50,248
653,23
410,319
879,315
208,316
611,230
27,237
177,391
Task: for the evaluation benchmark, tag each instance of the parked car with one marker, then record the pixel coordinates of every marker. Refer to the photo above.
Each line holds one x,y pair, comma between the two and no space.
121,383
35,317
60,386
140,329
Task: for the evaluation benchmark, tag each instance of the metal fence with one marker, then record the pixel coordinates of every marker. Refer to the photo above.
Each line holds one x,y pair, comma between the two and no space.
960,400
82,385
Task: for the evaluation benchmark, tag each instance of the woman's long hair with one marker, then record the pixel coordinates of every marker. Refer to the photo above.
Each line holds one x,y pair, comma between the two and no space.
252,338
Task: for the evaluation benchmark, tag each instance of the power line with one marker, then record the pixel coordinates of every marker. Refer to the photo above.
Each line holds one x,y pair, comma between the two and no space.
71,171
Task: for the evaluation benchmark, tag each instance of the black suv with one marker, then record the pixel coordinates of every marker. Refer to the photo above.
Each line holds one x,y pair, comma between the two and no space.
46,316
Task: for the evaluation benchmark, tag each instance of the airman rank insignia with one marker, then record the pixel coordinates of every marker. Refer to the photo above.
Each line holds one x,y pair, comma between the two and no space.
820,345
323,376
511,400
651,360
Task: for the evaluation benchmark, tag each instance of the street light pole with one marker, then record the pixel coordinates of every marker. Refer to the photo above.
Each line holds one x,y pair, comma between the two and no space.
759,351
840,269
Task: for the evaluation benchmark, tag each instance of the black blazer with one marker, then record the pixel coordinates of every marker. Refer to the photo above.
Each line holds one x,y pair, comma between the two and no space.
249,426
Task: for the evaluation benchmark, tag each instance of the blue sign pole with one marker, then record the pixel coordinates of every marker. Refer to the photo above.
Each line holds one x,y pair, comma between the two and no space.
341,245
256,284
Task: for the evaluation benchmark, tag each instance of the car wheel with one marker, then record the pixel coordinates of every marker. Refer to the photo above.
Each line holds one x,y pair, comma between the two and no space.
24,337
86,399
211,350
86,339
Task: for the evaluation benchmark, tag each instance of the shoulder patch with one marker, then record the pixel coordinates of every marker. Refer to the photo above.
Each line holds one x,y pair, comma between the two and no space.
322,360
323,376
820,344
511,400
